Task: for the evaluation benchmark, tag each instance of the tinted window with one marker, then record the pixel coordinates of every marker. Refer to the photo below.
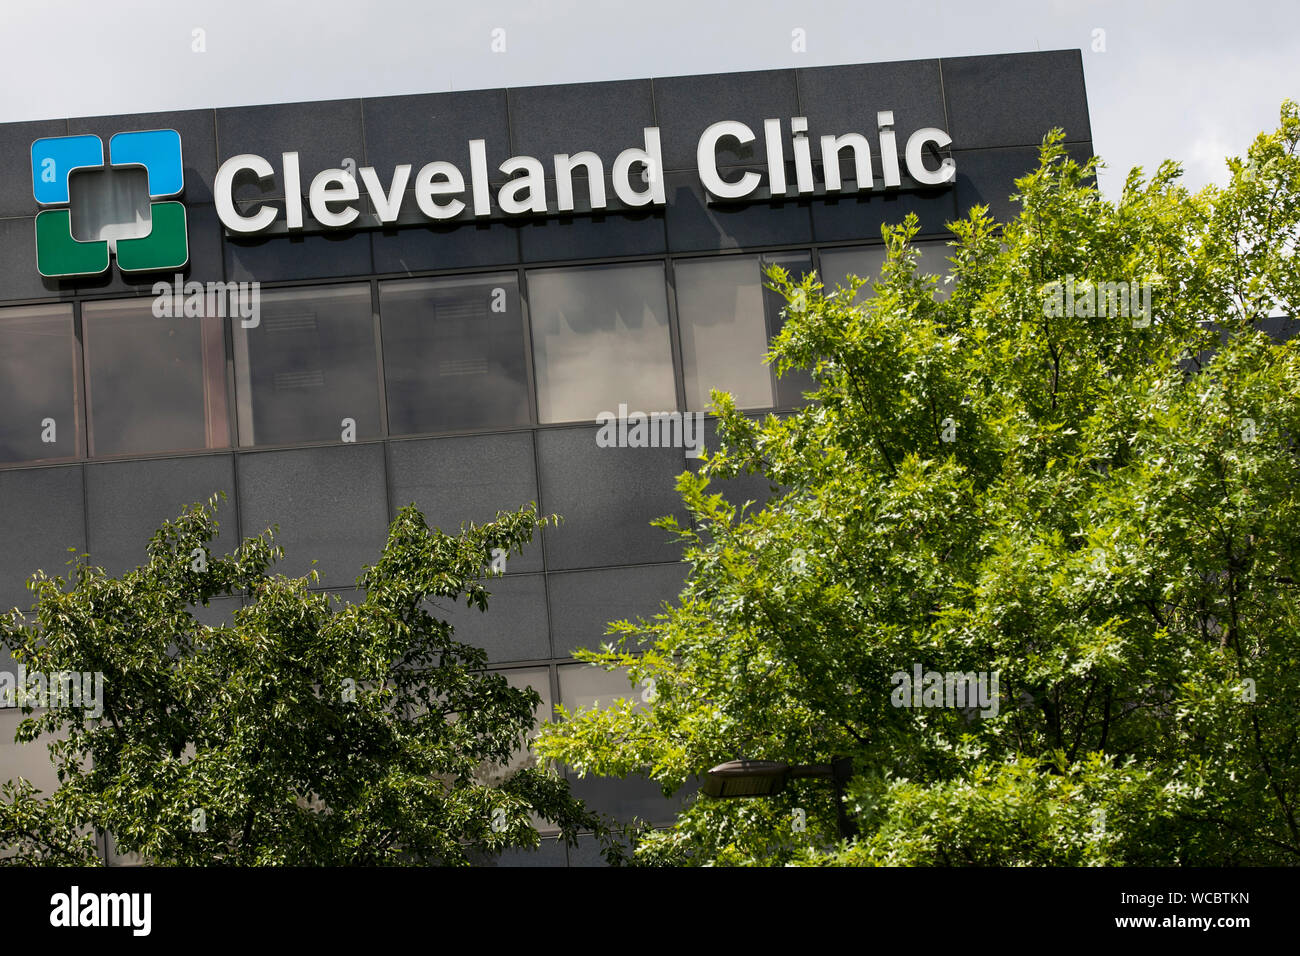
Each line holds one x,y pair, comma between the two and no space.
728,319
453,354
724,331
586,686
790,386
39,382
153,384
866,261
308,365
539,679
600,338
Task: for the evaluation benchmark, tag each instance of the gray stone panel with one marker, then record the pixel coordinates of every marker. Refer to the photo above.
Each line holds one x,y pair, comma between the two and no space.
19,278
464,245
514,626
605,118
860,217
31,761
583,603
587,853
687,105
280,257
989,176
607,497
697,225
1014,99
426,127
41,517
592,237
551,853
846,99
128,500
220,611
456,480
328,501
16,198
627,798
323,134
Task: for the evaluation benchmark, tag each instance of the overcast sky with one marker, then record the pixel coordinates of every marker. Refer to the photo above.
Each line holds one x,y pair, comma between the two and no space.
1188,80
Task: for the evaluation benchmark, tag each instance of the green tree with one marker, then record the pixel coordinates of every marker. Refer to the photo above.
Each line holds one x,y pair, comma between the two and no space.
302,734
1098,504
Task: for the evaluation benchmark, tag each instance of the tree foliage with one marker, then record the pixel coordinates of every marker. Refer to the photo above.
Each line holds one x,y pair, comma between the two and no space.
304,733
1113,529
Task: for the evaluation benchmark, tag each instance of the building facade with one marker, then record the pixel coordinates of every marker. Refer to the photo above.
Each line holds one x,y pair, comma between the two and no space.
450,335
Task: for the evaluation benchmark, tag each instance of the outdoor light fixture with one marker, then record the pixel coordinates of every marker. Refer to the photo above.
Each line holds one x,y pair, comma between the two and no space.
766,778
748,778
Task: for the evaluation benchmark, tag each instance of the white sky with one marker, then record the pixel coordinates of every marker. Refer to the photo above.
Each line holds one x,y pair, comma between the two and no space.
1192,80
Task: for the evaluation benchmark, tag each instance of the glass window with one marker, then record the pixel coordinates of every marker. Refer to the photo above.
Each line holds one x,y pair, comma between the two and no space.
724,331
586,686
728,319
539,679
31,760
600,339
153,384
866,261
309,364
39,384
453,353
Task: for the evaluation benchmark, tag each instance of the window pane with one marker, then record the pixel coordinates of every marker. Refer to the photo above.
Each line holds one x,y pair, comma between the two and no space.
306,366
728,318
453,354
153,384
30,760
39,381
539,679
866,261
600,338
721,308
587,686
790,386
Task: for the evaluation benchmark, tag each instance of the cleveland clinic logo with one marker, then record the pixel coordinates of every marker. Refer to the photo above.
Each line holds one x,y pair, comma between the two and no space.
60,167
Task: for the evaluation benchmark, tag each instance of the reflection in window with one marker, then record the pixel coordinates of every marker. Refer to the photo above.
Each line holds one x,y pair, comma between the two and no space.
29,760
153,384
39,384
308,365
600,338
586,686
728,319
453,354
866,262
539,679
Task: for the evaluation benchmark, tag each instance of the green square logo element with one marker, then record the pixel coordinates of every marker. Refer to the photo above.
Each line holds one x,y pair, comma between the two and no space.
59,254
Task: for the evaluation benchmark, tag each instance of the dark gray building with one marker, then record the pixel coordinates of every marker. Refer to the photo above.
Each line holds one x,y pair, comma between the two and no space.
449,335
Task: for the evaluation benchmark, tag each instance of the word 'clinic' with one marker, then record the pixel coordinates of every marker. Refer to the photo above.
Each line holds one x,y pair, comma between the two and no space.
440,190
